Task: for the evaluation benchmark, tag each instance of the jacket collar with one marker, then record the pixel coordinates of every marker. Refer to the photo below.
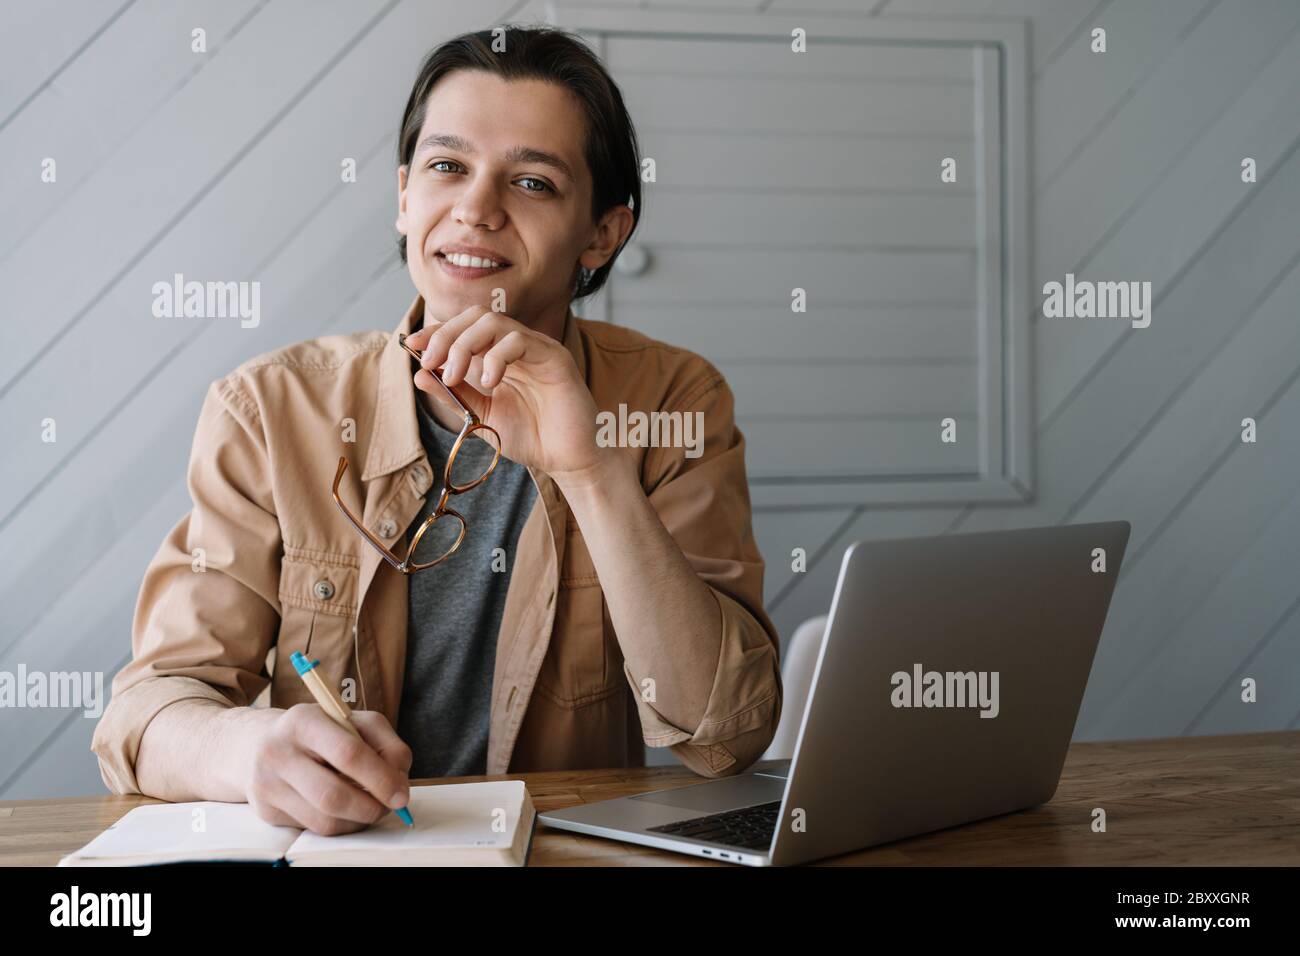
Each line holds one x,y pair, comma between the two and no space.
396,441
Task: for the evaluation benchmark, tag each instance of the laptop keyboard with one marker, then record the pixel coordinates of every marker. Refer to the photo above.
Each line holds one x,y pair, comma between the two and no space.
750,828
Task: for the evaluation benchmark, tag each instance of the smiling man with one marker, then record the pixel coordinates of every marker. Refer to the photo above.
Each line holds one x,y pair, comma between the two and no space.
603,598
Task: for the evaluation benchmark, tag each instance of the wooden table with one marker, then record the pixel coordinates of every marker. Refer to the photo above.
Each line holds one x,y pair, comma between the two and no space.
1229,800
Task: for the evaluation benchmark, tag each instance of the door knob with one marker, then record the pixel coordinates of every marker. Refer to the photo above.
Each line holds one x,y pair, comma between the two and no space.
632,261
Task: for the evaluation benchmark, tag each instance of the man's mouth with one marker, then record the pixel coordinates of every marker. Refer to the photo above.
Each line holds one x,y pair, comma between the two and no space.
463,266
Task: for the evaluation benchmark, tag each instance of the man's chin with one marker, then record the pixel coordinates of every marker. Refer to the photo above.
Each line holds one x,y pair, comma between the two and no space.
442,305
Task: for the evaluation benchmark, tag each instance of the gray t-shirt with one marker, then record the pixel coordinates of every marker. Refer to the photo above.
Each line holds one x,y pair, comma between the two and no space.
455,609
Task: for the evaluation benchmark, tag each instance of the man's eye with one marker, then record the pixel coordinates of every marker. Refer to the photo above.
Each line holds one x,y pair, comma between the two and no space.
545,187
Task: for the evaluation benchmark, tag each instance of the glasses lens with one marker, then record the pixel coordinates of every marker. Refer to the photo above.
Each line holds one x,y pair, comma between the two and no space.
474,458
438,540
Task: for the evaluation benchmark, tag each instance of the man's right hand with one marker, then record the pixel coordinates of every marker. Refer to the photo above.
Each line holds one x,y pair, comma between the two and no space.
306,771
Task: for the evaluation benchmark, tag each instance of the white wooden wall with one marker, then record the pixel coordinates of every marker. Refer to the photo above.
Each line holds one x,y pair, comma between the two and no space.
1136,159
226,165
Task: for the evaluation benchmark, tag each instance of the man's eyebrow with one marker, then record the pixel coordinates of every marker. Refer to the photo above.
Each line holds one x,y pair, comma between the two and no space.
516,154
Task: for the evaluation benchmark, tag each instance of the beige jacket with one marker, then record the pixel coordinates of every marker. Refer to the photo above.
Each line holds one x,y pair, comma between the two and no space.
282,560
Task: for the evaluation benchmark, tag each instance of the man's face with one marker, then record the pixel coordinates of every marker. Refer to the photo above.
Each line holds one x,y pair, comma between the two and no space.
464,188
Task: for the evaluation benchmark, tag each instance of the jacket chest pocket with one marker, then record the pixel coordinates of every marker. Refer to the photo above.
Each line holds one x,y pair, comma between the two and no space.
318,607
583,663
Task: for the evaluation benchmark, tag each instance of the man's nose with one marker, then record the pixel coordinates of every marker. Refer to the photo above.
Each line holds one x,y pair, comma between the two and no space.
480,203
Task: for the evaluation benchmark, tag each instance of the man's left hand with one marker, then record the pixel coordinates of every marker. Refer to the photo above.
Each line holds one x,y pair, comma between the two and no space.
522,383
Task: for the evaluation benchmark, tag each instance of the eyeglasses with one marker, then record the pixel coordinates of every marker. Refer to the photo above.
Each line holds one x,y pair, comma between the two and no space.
456,480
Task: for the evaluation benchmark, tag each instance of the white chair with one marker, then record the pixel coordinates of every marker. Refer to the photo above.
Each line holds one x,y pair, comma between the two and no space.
796,680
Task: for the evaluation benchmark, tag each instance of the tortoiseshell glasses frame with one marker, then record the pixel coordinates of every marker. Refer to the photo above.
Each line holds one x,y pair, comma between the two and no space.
471,426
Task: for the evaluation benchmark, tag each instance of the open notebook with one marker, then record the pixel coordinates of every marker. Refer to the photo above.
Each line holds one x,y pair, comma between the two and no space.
456,824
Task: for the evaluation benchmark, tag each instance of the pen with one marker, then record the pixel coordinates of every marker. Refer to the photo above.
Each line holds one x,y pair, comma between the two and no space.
333,705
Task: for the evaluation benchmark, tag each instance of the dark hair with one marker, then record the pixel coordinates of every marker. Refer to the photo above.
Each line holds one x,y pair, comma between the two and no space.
556,56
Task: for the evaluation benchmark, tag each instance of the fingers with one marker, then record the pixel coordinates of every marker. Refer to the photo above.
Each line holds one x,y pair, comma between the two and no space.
510,348
420,339
329,802
417,340
474,348
470,341
277,801
425,381
274,815
290,809
441,339
379,733
354,758
473,339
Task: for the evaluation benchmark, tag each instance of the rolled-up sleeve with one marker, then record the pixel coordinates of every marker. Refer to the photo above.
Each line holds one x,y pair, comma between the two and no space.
207,611
704,503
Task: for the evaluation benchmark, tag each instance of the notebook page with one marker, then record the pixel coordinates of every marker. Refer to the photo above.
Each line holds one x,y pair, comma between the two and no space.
175,831
447,815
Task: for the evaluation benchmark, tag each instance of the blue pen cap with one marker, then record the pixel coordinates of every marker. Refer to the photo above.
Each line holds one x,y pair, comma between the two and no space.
300,663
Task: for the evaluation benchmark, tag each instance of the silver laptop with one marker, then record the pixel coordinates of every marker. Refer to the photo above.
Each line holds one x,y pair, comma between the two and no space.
946,690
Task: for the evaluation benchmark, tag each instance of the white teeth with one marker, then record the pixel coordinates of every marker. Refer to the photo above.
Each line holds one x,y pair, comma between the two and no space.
456,258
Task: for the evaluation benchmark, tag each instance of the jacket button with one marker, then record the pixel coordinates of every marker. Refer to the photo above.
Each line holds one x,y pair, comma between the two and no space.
387,528
323,589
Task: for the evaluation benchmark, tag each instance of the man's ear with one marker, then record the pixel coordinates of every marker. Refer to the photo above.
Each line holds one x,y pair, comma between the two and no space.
401,199
613,228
